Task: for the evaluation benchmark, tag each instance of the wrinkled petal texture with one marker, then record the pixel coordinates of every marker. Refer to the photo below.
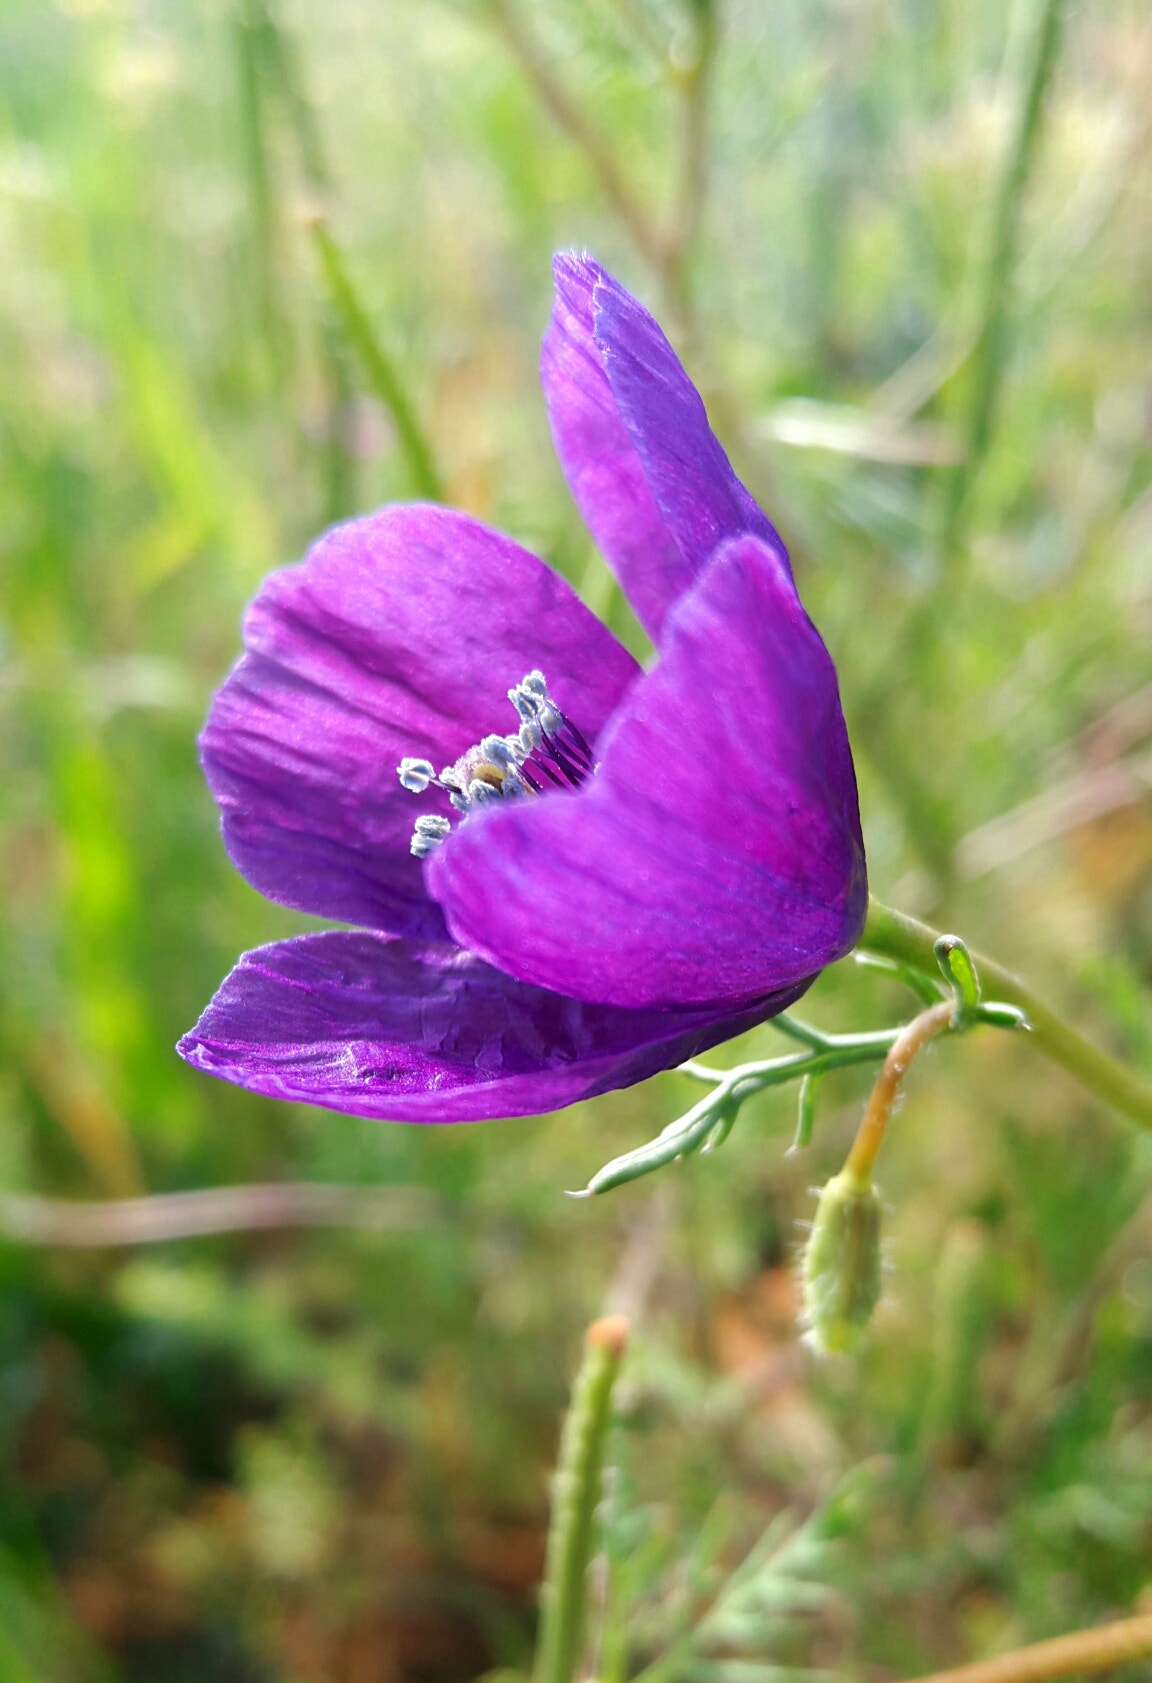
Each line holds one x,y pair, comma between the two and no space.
399,634
406,1031
650,478
716,856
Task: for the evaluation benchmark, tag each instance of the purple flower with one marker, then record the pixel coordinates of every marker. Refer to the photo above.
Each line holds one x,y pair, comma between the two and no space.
616,868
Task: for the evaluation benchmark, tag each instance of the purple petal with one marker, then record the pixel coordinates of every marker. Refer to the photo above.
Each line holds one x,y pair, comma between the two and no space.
399,635
649,476
426,1033
716,854
597,454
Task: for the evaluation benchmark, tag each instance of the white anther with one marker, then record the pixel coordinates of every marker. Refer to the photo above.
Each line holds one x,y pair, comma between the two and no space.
430,831
432,825
499,760
496,751
415,775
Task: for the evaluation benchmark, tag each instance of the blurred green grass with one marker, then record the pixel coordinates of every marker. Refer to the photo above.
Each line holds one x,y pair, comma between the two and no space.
324,1455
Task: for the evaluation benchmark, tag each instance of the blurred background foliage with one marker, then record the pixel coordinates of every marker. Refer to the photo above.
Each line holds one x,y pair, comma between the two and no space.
261,269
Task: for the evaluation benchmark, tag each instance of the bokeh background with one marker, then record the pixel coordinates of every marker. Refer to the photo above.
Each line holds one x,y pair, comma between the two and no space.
264,268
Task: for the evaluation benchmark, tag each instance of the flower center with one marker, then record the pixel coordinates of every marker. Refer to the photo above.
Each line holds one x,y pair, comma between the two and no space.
547,752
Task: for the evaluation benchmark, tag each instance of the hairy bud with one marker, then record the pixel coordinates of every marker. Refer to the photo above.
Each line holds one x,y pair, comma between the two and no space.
841,1269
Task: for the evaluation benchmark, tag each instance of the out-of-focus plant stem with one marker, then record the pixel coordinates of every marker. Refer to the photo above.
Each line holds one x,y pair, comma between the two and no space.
250,27
83,1224
693,80
667,250
284,65
928,812
1079,1655
992,279
383,377
378,367
575,1497
907,940
566,113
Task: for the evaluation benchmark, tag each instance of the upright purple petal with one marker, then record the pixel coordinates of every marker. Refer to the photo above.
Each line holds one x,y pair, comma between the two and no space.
427,1033
400,634
690,477
716,854
649,476
598,456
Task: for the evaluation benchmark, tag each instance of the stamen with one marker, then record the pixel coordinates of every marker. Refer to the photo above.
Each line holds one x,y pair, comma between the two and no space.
415,775
429,833
548,751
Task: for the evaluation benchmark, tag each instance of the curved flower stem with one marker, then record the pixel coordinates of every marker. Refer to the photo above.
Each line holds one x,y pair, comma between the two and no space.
576,1495
913,1038
1083,1652
908,941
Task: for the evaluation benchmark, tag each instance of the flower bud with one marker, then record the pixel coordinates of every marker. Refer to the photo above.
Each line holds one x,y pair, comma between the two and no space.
841,1269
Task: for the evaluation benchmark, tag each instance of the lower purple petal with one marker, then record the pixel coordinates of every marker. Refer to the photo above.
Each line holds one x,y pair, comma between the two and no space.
404,1031
716,854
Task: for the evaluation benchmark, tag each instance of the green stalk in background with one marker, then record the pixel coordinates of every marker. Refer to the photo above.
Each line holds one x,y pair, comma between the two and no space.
992,280
249,25
575,1496
283,66
378,367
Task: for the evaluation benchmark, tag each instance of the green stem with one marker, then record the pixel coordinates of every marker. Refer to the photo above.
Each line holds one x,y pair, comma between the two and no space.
709,1122
694,81
989,344
284,65
569,116
382,376
908,941
575,1497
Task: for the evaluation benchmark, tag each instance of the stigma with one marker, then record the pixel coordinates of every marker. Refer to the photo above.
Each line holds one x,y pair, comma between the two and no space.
546,752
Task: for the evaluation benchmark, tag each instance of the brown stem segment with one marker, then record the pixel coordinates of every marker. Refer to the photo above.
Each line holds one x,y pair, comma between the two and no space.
1081,1654
912,1039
